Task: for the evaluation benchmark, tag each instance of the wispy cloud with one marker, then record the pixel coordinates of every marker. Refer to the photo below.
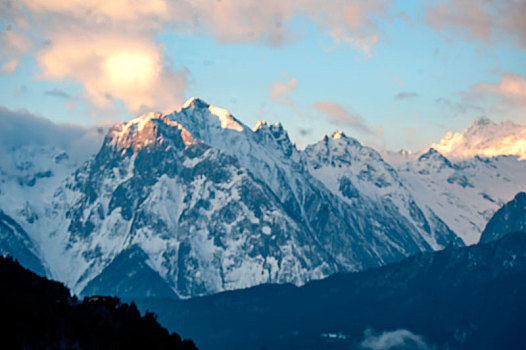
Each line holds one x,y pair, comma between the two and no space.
507,97
487,20
456,108
13,45
57,93
279,91
338,115
404,95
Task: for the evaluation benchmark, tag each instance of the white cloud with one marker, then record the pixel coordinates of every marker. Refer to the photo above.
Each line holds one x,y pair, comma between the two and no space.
398,339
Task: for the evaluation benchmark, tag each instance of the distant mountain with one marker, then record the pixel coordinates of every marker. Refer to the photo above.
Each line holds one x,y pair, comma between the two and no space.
485,138
459,298
511,218
362,179
194,202
213,205
41,314
464,194
468,176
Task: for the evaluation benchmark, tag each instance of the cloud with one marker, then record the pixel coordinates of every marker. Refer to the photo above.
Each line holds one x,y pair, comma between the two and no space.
457,108
511,89
279,91
336,114
488,20
505,98
13,45
398,339
20,128
111,47
405,95
304,132
57,93
114,67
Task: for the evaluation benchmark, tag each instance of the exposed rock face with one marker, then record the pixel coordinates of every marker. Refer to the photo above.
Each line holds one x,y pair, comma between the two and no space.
212,205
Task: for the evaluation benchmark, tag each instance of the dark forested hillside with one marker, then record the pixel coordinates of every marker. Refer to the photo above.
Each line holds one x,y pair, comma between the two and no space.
511,218
40,314
458,298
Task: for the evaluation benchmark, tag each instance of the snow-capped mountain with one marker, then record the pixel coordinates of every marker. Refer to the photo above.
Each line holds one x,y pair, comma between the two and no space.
466,189
204,222
361,178
206,204
195,202
36,156
484,138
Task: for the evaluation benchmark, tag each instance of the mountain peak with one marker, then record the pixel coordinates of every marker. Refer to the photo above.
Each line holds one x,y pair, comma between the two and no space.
260,125
482,121
195,102
485,138
145,130
432,153
197,111
338,135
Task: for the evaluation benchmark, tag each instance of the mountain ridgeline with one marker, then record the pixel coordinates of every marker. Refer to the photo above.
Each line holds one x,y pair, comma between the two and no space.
194,202
458,298
41,314
217,206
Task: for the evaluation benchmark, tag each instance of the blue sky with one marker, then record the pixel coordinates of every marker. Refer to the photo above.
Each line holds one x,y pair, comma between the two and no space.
421,72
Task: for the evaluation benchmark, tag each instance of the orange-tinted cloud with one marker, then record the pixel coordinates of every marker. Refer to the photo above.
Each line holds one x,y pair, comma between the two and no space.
338,115
484,20
13,45
279,91
114,67
110,47
511,89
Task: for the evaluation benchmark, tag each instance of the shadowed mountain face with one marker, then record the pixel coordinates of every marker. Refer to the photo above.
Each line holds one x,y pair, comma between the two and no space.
41,314
511,218
458,298
14,241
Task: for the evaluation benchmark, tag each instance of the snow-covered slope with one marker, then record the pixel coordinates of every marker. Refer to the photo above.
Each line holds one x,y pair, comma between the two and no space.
361,178
466,189
205,223
15,242
195,202
209,204
485,138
